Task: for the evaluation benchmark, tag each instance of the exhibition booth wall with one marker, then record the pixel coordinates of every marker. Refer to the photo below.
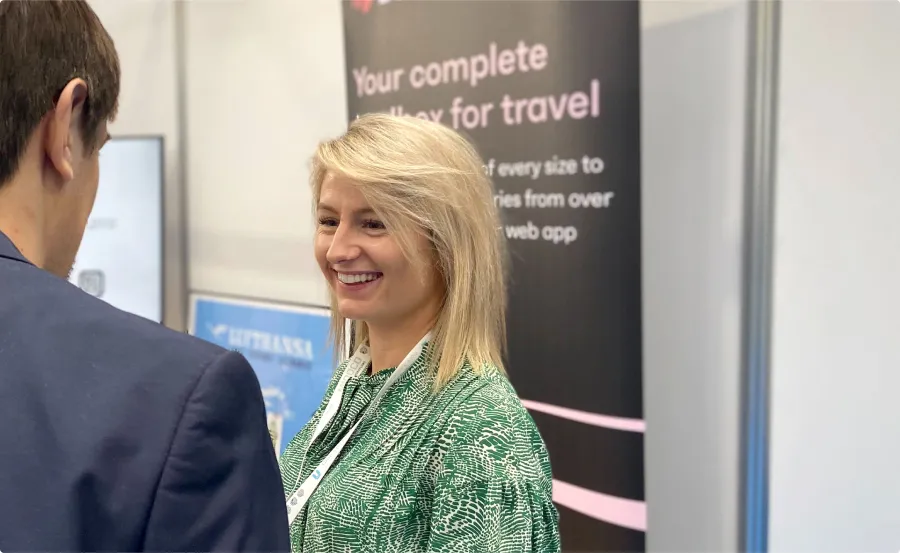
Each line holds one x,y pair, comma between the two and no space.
836,310
260,83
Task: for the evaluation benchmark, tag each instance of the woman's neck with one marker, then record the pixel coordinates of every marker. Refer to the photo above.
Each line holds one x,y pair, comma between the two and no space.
390,345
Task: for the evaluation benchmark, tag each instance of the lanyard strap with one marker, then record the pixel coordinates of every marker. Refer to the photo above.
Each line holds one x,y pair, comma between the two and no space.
357,365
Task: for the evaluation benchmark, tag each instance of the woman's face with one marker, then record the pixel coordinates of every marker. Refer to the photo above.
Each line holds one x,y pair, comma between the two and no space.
364,265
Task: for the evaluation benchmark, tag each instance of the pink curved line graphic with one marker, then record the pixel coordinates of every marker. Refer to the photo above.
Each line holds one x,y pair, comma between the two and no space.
626,513
594,419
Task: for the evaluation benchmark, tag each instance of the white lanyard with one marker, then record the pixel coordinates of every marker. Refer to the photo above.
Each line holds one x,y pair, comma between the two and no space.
357,365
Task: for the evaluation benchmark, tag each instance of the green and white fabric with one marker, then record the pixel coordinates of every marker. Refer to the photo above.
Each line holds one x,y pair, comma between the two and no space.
464,470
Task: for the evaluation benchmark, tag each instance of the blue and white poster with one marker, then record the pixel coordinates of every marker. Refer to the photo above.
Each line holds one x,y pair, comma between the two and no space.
287,346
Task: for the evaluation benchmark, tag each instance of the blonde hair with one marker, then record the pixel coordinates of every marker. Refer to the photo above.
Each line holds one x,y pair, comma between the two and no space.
423,177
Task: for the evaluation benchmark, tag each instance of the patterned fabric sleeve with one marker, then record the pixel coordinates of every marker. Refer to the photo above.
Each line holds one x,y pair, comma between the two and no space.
493,491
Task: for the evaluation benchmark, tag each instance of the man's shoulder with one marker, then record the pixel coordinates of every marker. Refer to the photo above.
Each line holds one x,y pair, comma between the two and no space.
143,344
106,323
89,332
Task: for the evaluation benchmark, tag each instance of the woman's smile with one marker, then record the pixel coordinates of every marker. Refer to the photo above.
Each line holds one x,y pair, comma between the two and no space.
356,282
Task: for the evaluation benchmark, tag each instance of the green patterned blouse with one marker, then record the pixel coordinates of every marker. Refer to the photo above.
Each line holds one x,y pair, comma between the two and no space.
460,471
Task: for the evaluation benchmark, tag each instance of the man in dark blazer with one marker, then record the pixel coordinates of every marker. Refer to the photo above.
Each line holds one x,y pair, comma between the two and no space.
116,434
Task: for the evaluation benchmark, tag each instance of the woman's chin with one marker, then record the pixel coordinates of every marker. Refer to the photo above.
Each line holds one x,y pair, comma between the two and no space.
350,309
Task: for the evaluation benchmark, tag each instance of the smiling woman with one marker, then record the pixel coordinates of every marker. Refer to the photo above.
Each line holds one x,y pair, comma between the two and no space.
406,201
373,279
421,443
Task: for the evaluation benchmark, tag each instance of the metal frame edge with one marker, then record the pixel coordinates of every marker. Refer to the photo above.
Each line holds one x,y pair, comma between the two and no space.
760,156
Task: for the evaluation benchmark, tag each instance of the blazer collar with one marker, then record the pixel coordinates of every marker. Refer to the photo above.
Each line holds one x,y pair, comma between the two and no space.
10,251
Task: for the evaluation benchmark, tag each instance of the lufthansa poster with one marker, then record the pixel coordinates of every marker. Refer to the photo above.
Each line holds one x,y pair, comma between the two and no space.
549,92
287,346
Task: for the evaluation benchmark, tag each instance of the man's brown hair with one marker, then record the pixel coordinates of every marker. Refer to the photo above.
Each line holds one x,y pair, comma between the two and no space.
44,44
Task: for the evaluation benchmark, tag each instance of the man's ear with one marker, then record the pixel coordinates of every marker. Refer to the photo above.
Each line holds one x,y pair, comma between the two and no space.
63,128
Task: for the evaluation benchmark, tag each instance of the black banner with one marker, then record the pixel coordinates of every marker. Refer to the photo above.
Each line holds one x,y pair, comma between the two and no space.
549,91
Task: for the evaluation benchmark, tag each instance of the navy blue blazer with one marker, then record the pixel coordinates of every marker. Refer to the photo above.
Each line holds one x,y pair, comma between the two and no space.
118,434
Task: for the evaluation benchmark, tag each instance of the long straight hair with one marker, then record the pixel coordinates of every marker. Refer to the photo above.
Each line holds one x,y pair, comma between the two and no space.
424,178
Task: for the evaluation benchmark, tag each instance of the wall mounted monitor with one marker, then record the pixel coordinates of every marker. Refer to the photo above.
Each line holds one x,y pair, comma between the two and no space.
121,255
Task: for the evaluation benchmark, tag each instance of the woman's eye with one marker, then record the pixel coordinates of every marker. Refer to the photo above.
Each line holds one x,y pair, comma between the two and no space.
327,222
373,224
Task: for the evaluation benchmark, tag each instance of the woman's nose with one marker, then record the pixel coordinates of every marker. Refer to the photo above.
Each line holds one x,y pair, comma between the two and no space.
344,246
